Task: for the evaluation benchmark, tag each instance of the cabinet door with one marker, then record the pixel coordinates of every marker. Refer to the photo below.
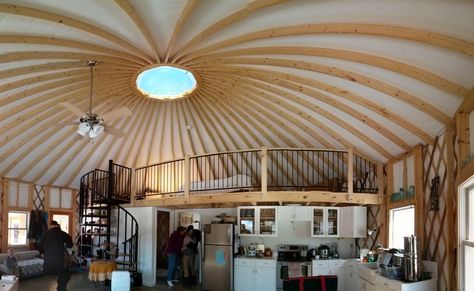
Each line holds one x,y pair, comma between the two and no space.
339,272
265,279
332,222
286,213
302,213
317,222
267,221
243,278
247,220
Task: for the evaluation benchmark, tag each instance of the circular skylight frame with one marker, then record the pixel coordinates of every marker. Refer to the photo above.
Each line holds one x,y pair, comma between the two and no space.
175,69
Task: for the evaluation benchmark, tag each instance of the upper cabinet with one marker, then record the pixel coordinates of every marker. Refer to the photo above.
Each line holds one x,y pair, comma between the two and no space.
325,222
294,213
353,221
259,220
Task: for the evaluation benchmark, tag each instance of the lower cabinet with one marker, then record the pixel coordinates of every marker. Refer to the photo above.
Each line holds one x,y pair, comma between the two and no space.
351,276
254,274
331,267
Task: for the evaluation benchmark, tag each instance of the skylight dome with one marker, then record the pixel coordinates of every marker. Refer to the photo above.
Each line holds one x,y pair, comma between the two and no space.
166,83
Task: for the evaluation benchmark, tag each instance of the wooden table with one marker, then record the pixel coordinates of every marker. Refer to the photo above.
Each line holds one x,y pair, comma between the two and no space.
101,270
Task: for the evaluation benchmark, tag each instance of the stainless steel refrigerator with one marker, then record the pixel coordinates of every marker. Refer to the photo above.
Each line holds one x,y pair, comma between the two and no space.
218,257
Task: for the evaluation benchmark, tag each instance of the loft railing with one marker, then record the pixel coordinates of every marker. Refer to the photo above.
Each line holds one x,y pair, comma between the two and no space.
260,170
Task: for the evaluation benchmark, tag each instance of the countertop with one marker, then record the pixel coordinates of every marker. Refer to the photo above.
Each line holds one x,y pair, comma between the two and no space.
255,258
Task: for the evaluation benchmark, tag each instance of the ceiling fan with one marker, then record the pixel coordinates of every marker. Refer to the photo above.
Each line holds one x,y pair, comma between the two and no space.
91,124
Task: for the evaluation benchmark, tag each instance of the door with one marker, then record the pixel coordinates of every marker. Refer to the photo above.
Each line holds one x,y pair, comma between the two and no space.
247,220
332,222
162,235
268,220
265,279
217,267
317,222
243,277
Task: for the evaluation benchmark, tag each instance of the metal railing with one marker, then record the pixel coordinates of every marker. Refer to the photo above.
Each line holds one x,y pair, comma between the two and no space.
285,170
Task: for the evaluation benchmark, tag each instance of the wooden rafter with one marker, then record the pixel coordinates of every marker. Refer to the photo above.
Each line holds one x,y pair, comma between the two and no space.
137,19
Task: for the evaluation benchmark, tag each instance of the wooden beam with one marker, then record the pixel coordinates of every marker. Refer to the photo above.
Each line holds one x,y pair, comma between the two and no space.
419,196
225,22
390,190
255,197
74,23
468,103
450,209
463,138
128,8
182,20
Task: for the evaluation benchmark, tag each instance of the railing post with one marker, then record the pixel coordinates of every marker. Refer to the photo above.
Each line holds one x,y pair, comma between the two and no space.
110,190
264,171
350,171
187,178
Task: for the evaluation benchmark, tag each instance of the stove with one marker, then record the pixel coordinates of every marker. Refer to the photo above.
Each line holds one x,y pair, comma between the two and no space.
293,261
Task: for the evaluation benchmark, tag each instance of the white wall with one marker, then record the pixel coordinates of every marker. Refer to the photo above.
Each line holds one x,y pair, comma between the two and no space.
146,218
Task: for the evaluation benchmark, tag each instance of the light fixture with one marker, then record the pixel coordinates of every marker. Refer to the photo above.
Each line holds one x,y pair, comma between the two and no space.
166,82
90,124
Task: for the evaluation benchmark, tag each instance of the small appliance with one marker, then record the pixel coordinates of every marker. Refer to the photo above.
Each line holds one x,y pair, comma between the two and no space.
323,252
251,250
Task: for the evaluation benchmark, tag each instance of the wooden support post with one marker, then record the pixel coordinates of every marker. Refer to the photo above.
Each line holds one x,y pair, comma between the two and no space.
380,182
350,173
450,216
264,162
405,174
187,178
389,172
463,138
5,215
419,197
31,197
47,195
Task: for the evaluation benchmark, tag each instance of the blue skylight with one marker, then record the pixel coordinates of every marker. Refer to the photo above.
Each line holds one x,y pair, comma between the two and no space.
166,82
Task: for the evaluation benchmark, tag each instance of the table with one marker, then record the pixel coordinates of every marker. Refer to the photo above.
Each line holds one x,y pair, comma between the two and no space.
9,285
101,270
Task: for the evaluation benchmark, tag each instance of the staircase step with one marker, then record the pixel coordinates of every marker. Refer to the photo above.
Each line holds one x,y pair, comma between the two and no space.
96,215
123,255
124,263
94,224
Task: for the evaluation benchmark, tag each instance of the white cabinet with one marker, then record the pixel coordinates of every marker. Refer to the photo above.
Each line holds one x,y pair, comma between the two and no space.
254,274
351,276
294,213
353,221
325,221
330,267
259,220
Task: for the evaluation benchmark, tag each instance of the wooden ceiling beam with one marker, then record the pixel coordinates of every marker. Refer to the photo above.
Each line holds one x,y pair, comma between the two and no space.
71,22
375,84
426,37
252,7
467,104
26,70
132,13
182,20
54,41
277,76
346,55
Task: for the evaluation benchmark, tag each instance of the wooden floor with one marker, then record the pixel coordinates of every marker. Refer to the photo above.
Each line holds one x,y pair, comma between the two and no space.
79,282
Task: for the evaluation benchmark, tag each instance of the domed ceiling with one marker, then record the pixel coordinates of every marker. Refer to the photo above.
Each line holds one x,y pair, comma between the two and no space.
378,75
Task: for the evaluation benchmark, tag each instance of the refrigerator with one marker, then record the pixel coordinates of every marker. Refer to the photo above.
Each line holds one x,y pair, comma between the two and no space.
218,257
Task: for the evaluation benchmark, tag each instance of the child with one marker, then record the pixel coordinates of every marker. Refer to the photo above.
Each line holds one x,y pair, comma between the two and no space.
12,263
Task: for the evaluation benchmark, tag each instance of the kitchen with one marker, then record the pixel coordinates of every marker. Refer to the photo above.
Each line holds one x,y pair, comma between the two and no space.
278,242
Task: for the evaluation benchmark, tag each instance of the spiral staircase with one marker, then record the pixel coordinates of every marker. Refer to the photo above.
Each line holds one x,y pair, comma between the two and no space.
107,230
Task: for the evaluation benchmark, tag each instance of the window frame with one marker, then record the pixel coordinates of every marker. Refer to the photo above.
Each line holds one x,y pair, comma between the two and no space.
27,221
391,224
463,229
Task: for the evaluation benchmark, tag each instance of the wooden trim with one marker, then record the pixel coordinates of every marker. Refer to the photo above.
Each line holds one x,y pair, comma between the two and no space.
419,195
450,209
390,190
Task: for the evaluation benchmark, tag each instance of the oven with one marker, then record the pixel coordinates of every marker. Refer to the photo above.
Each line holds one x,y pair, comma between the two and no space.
286,270
292,262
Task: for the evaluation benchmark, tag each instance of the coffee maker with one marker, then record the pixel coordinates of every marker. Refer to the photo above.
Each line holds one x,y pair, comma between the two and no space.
323,252
251,250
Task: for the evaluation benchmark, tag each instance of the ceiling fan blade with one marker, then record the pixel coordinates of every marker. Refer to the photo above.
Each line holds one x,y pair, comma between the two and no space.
73,108
113,131
117,113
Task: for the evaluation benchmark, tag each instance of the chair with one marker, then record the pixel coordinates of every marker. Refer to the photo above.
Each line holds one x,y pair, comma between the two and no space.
316,283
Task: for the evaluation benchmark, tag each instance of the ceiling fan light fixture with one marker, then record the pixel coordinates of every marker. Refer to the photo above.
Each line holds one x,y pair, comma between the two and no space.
83,128
96,130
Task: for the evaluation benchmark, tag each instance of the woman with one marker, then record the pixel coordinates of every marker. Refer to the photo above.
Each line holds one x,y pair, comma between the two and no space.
189,255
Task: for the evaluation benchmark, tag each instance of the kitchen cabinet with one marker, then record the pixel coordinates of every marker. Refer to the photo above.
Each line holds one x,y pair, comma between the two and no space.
294,213
353,221
258,221
330,267
254,274
351,276
325,221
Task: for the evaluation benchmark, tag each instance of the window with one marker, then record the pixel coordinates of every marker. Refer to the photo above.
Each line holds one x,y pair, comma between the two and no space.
17,228
402,223
63,221
466,232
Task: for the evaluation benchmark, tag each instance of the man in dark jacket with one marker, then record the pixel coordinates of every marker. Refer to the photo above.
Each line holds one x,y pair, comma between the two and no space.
173,250
53,244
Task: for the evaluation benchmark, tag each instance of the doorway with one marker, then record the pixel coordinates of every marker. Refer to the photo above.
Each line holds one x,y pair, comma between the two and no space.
162,235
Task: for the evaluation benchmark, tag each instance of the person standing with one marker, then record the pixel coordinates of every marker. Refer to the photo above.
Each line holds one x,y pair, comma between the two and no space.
189,255
173,251
54,244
